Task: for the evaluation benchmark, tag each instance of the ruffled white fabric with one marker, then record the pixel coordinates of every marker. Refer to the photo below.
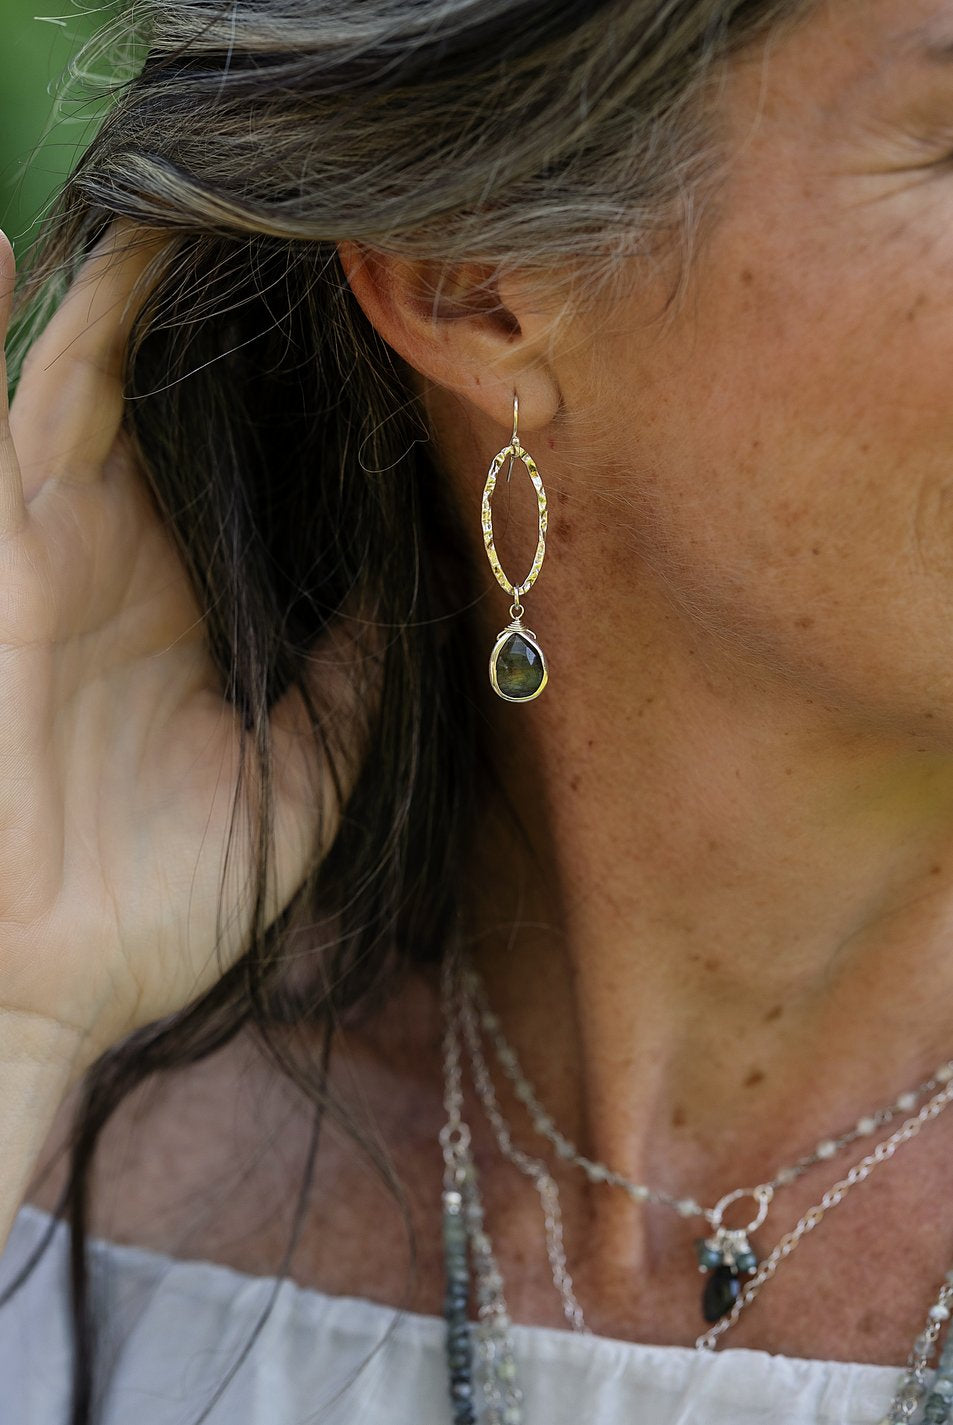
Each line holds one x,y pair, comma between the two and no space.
174,1328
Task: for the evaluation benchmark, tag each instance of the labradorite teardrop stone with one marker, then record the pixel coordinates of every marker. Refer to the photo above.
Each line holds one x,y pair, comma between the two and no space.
720,1294
519,667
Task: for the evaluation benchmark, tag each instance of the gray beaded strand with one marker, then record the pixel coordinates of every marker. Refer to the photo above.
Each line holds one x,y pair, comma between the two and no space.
464,1225
498,1378
913,1385
939,1403
455,1304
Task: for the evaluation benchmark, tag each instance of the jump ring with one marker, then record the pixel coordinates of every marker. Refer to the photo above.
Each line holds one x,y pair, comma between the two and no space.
762,1195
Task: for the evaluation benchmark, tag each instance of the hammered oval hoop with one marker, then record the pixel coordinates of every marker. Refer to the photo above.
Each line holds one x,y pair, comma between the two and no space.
515,450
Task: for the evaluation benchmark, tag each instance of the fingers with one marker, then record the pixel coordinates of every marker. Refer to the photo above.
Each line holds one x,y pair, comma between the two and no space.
68,406
344,685
12,507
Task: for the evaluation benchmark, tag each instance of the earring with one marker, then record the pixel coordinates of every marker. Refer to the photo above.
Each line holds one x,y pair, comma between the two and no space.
518,669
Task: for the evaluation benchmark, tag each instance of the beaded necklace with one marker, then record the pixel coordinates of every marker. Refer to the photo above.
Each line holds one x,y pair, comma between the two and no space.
727,1253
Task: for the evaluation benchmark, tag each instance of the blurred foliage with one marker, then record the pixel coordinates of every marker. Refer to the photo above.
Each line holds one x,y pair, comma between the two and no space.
46,117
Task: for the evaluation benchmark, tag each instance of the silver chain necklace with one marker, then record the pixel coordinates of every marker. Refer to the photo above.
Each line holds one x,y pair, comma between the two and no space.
727,1253
465,1009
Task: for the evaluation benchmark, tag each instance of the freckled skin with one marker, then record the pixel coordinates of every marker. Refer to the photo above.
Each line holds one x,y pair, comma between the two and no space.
814,353
732,795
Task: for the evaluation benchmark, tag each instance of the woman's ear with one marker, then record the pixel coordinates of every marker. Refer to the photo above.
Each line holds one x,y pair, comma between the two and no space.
451,325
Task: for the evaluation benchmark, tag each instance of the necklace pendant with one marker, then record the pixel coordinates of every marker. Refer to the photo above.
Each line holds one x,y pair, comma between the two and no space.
723,1257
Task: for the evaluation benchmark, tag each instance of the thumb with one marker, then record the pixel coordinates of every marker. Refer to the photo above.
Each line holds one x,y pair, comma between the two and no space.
7,276
12,507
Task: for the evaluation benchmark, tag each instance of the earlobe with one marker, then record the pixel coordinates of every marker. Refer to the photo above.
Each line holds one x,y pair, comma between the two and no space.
455,331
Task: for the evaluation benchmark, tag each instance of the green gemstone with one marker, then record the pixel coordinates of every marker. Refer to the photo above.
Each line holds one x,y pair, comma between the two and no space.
708,1256
519,667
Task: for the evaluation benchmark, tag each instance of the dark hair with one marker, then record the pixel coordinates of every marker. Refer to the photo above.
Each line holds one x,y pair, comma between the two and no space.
281,437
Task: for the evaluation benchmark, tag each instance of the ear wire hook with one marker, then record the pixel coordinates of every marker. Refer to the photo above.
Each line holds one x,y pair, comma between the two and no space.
515,437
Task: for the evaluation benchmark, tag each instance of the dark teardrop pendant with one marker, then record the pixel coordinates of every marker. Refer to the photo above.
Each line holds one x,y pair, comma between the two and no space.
517,665
721,1292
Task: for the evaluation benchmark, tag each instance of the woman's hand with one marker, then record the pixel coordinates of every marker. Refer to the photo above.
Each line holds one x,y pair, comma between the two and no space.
118,754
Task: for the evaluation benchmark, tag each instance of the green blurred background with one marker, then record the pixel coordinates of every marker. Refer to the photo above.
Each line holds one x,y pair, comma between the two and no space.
41,130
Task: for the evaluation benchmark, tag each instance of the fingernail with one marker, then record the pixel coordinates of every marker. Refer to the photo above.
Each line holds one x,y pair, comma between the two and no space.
8,267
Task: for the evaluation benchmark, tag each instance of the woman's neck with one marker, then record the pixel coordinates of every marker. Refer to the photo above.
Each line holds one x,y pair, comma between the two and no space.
729,931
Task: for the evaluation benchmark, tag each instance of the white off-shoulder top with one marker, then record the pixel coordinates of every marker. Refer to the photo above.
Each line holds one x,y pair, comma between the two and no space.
173,1328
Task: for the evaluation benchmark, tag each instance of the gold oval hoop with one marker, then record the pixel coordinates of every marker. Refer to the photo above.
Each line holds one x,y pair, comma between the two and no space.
515,450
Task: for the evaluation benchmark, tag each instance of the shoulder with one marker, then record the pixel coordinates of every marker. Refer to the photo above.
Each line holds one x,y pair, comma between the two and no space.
206,1163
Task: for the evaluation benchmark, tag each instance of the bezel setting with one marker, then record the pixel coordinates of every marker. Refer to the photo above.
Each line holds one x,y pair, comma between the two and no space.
516,627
